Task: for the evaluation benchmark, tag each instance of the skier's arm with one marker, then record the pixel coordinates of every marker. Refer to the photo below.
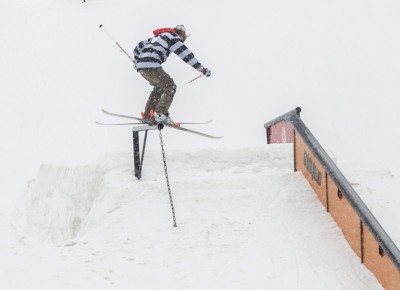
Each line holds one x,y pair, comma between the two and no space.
181,50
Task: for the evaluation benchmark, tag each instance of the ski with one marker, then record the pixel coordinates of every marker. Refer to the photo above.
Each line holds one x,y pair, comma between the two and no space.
122,124
116,124
150,123
143,121
196,123
123,116
193,131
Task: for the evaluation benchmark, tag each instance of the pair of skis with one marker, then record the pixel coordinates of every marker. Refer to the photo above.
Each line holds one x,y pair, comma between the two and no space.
151,124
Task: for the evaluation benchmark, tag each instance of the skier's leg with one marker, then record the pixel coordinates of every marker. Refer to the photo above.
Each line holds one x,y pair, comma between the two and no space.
151,76
168,91
152,101
164,90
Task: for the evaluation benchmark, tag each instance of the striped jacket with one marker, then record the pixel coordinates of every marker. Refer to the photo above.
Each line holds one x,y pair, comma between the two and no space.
151,53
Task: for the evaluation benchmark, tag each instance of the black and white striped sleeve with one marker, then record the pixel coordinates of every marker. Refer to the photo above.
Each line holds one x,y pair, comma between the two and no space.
181,50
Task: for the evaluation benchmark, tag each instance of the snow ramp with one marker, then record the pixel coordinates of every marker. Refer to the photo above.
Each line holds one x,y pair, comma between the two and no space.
245,219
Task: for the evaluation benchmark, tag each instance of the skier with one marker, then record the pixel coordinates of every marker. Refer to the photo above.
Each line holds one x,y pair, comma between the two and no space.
149,55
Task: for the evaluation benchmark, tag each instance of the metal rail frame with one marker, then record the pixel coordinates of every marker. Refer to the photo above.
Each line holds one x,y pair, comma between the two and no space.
367,218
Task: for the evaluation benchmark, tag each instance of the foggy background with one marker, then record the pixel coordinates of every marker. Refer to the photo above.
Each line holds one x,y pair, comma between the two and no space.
338,60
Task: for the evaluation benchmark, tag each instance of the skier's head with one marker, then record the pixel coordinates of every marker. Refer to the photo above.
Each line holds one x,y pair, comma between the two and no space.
181,31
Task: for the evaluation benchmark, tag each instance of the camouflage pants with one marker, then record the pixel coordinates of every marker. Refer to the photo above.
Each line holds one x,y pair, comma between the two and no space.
163,92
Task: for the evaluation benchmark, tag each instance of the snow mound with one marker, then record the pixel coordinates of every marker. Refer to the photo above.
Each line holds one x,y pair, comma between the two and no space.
64,201
245,221
54,206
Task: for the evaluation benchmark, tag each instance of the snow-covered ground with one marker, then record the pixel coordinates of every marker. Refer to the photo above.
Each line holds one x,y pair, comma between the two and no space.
245,221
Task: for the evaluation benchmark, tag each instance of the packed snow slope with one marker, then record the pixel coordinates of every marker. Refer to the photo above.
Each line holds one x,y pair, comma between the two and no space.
245,221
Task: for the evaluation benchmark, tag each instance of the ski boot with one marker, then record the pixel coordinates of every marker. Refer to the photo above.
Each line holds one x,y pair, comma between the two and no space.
163,118
149,118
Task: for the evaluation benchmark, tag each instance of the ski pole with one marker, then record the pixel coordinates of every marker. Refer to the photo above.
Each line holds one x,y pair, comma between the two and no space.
109,35
196,78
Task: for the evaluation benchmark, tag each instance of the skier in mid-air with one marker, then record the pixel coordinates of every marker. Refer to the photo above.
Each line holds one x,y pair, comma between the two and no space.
149,55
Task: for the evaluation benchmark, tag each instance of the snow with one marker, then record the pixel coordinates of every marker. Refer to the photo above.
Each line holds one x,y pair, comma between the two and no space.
245,221
72,216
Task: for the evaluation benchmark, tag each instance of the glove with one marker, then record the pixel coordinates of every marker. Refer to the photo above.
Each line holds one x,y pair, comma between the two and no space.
206,72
